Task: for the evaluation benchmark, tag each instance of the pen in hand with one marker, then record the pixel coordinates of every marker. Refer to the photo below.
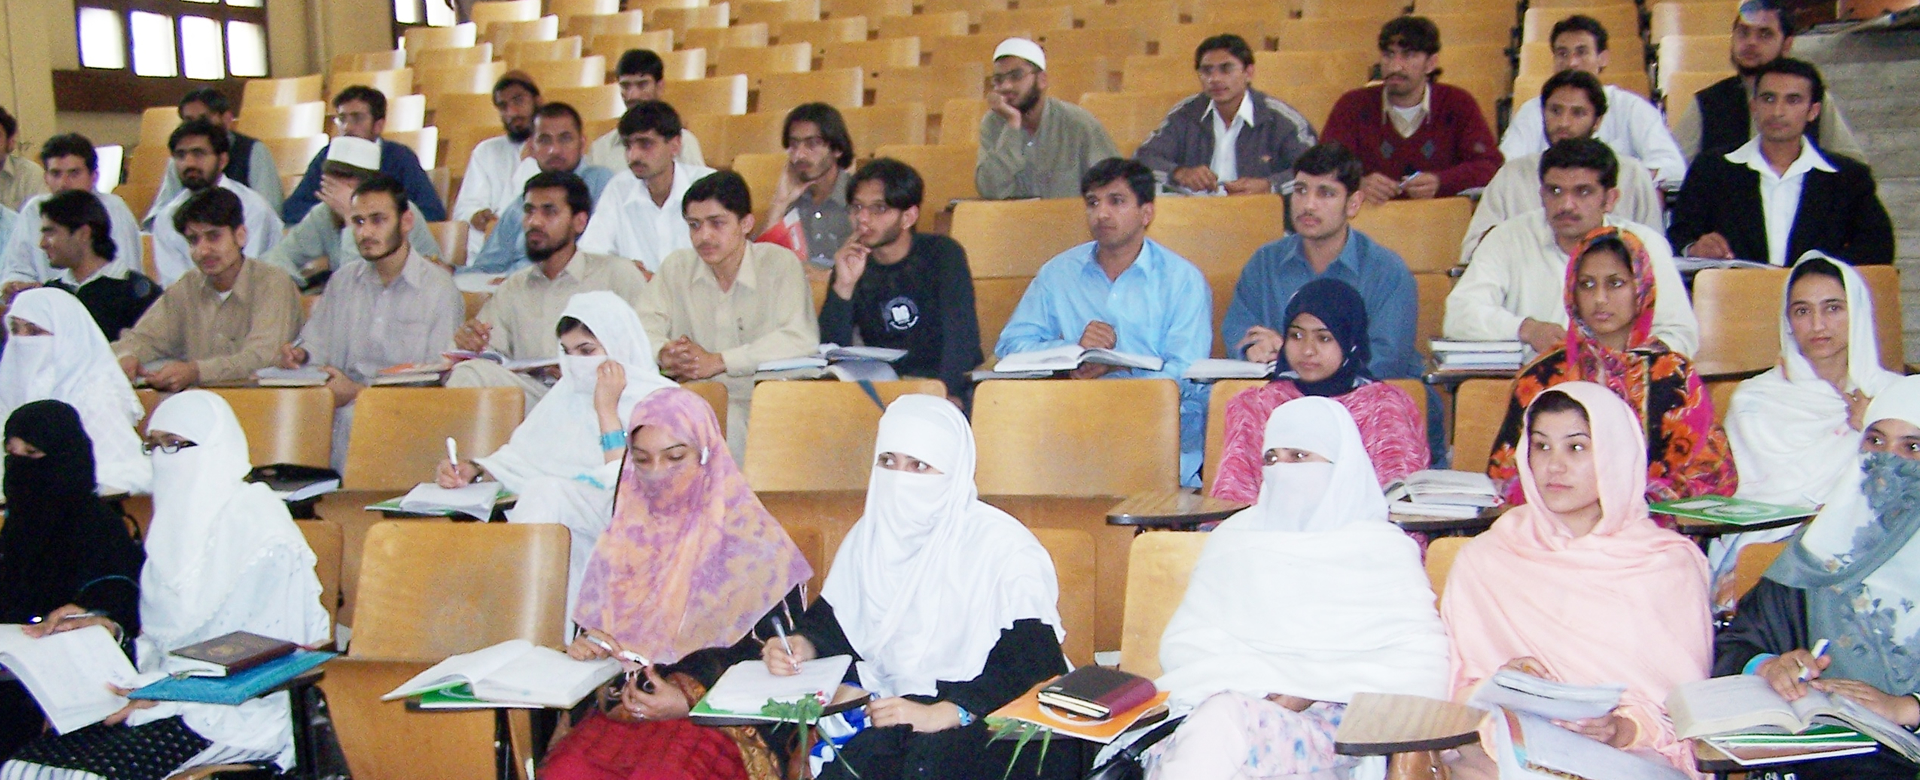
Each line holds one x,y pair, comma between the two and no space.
453,453
782,633
38,619
1819,649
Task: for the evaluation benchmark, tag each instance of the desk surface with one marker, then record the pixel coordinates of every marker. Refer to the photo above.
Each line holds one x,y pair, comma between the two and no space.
1708,528
1171,508
1461,526
1384,723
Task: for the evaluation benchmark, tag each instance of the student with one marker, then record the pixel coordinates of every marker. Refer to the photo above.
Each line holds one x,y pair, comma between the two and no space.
946,602
200,152
54,351
1198,149
325,233
1033,145
1632,126
719,310
222,556
895,287
1846,578
558,145
64,553
1324,355
1779,196
1416,137
489,183
639,216
223,320
77,236
20,178
71,164
248,161
1717,117
1578,585
810,200
361,111
1610,302
639,74
1125,292
1296,604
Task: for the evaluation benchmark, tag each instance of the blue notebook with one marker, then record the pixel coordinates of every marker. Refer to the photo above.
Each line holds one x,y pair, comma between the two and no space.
236,688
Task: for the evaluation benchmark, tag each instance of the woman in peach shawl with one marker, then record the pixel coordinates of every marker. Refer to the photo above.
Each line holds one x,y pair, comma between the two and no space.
1578,584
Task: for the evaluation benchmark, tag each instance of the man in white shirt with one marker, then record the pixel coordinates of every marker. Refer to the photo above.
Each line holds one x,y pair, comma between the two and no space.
1632,126
200,154
70,163
249,161
1515,288
638,216
490,181
640,72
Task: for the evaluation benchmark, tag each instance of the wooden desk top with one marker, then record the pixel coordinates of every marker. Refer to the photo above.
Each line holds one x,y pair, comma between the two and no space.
1461,526
1708,528
1451,378
1384,723
1171,508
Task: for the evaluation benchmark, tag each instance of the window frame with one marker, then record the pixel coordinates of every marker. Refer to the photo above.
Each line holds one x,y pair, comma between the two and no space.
119,90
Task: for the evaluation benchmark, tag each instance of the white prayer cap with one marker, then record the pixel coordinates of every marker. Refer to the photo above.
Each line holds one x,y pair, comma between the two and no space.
355,152
1022,48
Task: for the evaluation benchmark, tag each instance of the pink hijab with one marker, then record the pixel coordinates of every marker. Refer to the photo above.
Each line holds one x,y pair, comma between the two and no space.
692,560
1626,603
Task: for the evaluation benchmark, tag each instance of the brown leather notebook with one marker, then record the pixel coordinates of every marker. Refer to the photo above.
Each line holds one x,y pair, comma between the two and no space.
237,651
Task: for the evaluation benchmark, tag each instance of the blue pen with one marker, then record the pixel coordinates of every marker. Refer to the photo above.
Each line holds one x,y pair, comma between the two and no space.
1819,649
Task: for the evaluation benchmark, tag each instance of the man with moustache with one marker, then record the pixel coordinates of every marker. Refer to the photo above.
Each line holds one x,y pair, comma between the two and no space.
1032,145
200,154
1717,117
813,186
491,180
558,144
325,233
248,161
639,75
638,216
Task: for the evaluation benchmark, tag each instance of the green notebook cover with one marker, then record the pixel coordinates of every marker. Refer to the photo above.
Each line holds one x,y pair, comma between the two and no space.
459,696
1820,735
1729,511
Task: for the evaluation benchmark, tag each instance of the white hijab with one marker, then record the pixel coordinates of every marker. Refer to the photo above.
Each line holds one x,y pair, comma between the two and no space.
75,365
561,437
1311,591
930,576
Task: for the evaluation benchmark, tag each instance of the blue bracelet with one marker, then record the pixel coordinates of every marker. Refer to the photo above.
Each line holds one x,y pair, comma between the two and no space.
1753,664
966,718
613,440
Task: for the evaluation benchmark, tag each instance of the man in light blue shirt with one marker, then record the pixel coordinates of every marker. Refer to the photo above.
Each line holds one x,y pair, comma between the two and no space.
1124,292
559,145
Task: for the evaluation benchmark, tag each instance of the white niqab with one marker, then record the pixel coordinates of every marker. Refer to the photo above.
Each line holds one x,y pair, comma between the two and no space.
75,365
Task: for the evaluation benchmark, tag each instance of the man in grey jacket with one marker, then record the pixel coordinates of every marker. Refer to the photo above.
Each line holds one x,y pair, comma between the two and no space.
1229,139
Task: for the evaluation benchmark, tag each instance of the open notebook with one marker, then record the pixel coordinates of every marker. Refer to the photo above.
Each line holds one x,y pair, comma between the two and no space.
68,673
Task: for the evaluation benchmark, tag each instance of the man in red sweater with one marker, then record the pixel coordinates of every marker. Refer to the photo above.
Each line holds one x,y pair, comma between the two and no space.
1416,138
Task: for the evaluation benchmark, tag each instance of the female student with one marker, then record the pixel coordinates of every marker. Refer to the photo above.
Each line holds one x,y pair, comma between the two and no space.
1325,355
948,605
55,350
1297,603
1851,577
223,555
1610,293
690,573
64,553
1578,584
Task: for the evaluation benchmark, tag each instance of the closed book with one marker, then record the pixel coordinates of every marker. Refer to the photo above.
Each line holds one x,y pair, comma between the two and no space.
235,652
238,687
1097,691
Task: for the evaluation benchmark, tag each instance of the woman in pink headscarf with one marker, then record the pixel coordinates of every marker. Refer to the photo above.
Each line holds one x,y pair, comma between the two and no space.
1578,584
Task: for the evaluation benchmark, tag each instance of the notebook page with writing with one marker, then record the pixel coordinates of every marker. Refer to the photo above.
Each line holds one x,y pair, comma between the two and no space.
68,673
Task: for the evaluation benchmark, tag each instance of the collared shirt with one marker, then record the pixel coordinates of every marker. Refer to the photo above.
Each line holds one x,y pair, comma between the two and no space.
1013,163
229,335
1780,193
1225,165
20,179
1632,127
263,177
362,324
1280,269
627,223
318,236
24,261
489,183
171,256
609,151
1407,121
826,222
505,249
527,304
1516,190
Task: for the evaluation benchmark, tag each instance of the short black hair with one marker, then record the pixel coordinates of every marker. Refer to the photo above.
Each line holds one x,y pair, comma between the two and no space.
1590,153
1580,23
216,101
579,198
1233,45
515,78
1553,401
1332,158
215,206
381,182
832,126
1412,33
726,187
376,100
640,62
70,145
555,110
8,123
1139,177
75,209
1580,80
201,128
900,185
1788,66
1778,8
654,115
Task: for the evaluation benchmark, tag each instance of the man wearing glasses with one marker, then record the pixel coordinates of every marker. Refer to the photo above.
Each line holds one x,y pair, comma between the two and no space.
1031,145
361,112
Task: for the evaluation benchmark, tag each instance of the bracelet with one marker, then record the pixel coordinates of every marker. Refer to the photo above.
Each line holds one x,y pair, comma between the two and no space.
1753,664
966,718
613,440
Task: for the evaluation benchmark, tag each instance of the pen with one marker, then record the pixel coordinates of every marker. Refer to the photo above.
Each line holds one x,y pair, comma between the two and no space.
625,655
453,457
1819,649
38,619
784,643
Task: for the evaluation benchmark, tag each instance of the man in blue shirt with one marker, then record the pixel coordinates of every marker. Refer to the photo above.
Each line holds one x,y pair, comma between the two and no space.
1326,194
361,111
1124,292
559,144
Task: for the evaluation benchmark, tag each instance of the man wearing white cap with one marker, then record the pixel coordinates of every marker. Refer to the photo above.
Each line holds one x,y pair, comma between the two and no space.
1031,145
199,150
324,233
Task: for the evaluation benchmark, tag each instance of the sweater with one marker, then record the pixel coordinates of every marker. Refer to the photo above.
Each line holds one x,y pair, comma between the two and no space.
1453,142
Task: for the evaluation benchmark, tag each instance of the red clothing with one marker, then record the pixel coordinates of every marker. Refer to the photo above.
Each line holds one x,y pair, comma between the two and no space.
1453,142
1392,428
601,748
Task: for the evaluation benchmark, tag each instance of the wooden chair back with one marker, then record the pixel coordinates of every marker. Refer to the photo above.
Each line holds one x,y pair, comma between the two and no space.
1224,391
392,83
1218,235
519,53
280,92
1026,21
842,88
420,39
757,63
1158,567
948,51
296,121
1692,54
875,126
1739,311
138,196
487,14
684,64
1479,408
399,433
545,28
1750,566
960,122
805,435
1431,312
762,170
589,71
1158,73
721,95
871,56
1072,551
1440,554
1052,226
776,12
1130,117
1093,41
572,8
324,539
993,303
715,394
1058,437
684,19
619,22
822,33
406,113
946,170
425,143
752,35
1425,233
1720,391
613,44
156,124
931,84
1883,288
1695,18
458,80
284,424
873,10
466,57
931,24
594,103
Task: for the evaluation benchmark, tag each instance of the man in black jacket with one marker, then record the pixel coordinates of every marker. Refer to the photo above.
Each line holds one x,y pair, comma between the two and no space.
1716,117
1777,196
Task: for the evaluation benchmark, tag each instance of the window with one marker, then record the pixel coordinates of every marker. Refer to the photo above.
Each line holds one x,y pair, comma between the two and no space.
416,13
205,40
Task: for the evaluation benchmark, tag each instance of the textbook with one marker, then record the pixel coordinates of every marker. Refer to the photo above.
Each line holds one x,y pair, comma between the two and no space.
68,673
1070,356
1522,692
525,364
411,374
834,353
1097,691
1214,369
238,687
235,652
1454,355
746,688
513,673
1029,709
1821,741
476,500
1728,510
1445,486
1693,265
273,376
1745,702
1530,746
294,483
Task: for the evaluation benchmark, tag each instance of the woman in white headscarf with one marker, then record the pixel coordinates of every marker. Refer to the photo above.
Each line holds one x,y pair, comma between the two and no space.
1297,603
55,351
947,603
564,459
223,555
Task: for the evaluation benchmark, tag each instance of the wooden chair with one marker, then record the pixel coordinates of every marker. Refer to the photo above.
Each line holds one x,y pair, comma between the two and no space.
1073,554
1734,337
392,83
293,154
1441,552
933,85
875,126
739,36
1671,18
461,139
1277,73
458,80
1326,34
1142,18
1165,73
486,14
545,28
762,170
148,163
1750,566
1081,76
873,10
842,88
619,23
818,435
1056,437
756,63
1430,317
277,92
721,95
953,50
1425,233
684,19
138,196
1131,116
424,142
588,71
960,121
758,132
1030,21
156,124
1679,89
1218,235
519,53
649,6
715,394
1224,391
324,539
822,32
284,424
1158,567
1883,288
1186,38
406,112
925,25
571,8
594,103
1479,408
972,8
993,303
1720,391
296,121
1052,226
776,12
685,64
1622,20
459,36
466,57
946,170
452,237
399,433
1692,53
873,56
613,44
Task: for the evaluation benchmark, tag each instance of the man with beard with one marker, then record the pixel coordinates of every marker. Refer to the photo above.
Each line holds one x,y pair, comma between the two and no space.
1231,138
1417,138
1515,286
324,234
1632,126
199,151
517,322
811,197
392,307
248,162
1032,145
489,183
639,74
558,144
639,215
896,288
1717,118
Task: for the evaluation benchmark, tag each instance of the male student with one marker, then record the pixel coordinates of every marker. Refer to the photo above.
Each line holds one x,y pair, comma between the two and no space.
1717,117
1033,145
326,233
1632,126
723,307
392,306
70,164
225,318
1779,196
812,191
1575,104
361,111
489,184
1326,195
77,236
1125,292
1417,138
558,144
1229,139
248,161
897,288
518,320
20,178
639,75
200,153
638,216
1515,285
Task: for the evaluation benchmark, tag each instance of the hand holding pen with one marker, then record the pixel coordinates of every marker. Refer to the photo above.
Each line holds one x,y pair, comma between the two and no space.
68,618
784,654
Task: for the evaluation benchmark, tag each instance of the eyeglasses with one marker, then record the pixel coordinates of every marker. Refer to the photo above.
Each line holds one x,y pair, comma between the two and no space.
1010,77
871,210
351,118
168,447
